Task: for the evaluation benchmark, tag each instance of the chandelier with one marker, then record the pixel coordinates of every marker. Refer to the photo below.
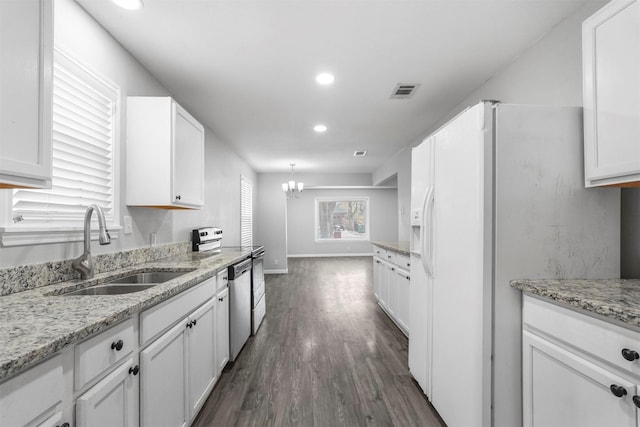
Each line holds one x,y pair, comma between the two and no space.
291,187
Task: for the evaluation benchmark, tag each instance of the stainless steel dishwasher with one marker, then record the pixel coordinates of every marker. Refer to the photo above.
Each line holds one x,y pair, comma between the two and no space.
239,306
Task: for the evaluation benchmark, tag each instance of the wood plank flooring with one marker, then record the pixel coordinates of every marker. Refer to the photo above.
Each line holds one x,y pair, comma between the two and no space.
325,355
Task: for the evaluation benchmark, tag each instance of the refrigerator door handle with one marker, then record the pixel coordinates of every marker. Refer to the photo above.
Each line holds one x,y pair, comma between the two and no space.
427,226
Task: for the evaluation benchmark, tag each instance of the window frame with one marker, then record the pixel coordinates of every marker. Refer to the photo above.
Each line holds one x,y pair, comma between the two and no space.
245,183
365,239
19,234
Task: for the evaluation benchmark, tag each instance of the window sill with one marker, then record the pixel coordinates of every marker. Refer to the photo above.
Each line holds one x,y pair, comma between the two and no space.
41,235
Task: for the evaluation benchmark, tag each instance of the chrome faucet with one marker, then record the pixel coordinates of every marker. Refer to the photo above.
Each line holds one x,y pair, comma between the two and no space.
83,263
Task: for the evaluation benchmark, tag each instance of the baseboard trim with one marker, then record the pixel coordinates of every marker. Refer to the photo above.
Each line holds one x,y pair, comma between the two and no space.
350,254
282,271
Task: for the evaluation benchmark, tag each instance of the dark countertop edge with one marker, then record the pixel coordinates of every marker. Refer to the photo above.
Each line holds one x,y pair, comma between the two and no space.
579,295
34,356
400,246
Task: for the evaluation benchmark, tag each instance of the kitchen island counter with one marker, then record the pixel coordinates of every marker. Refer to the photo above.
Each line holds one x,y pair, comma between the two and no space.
614,300
37,323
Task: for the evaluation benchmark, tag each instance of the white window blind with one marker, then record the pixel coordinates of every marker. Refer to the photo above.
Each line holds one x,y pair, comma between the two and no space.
84,131
246,213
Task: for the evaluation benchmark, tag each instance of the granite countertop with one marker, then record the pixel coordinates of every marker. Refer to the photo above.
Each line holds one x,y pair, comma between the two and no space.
618,300
401,247
37,323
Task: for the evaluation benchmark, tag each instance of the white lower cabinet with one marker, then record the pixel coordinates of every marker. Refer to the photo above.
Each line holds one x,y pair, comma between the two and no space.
37,397
163,374
201,364
391,281
222,329
566,380
112,402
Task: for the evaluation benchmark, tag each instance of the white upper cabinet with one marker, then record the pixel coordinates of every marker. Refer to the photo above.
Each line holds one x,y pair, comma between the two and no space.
165,155
26,52
611,72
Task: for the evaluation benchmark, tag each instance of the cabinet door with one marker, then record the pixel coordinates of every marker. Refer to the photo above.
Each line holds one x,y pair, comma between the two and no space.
391,292
26,52
162,380
201,354
378,277
611,61
188,159
113,402
222,330
562,389
402,311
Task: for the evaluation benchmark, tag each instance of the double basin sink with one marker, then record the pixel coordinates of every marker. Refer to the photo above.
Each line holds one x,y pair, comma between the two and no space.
128,284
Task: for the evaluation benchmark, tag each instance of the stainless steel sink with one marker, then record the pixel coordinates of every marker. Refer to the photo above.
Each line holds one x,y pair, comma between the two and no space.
132,283
111,289
149,277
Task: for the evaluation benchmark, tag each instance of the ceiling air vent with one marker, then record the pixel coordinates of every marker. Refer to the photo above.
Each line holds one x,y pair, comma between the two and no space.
404,90
360,153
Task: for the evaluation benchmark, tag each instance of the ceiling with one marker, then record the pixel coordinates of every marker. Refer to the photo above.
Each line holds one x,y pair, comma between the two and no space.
246,68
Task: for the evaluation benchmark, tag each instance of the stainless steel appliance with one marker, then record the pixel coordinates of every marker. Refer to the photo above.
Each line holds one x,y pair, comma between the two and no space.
239,306
206,239
258,297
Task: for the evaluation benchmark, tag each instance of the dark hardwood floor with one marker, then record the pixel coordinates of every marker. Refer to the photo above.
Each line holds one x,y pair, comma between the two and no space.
325,355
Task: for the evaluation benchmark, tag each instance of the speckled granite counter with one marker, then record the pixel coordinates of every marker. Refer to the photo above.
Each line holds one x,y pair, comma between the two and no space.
401,247
37,323
617,300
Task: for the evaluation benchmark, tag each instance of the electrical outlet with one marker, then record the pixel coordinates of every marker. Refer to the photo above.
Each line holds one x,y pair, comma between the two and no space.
128,225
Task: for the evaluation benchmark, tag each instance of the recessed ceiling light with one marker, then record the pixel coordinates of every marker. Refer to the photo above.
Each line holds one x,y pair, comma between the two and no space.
320,128
325,78
129,4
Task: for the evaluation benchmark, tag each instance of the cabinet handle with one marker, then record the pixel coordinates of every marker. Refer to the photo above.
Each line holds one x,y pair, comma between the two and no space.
194,321
221,299
618,390
178,197
134,370
117,345
636,400
190,325
63,425
393,269
630,355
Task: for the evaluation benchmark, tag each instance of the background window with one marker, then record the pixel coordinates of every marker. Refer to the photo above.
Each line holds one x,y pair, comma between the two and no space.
339,219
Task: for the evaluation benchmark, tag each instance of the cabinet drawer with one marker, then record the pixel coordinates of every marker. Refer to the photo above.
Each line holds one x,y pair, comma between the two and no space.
379,252
96,355
403,262
33,397
391,257
596,338
159,318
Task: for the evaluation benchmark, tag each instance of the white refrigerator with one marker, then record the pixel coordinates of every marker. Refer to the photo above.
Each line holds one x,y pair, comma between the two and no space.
496,194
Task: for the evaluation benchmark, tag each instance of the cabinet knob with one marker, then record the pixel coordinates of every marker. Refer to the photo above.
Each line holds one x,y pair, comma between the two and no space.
221,299
630,355
618,390
190,325
178,197
194,321
636,400
63,425
134,370
117,345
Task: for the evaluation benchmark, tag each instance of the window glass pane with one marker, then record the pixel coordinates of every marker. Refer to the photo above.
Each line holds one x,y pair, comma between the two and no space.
342,219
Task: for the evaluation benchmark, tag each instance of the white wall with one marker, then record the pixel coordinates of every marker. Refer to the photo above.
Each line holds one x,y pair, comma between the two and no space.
301,222
80,35
400,167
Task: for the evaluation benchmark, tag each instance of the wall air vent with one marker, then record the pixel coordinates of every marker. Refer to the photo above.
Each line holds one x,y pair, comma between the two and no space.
360,153
404,90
